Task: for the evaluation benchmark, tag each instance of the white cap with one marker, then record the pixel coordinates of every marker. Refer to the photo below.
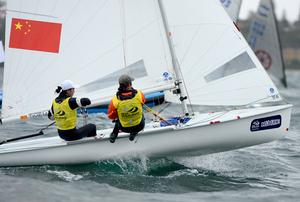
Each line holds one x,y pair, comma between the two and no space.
68,84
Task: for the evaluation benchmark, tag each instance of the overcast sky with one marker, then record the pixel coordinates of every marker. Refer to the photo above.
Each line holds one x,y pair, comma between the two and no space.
292,8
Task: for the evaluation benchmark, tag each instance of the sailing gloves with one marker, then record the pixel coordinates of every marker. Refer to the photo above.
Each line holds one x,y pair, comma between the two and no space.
83,102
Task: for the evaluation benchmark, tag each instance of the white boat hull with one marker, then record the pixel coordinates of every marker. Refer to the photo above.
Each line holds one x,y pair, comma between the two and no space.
204,134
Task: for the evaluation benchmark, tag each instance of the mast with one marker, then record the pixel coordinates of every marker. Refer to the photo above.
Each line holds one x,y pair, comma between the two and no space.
179,80
283,80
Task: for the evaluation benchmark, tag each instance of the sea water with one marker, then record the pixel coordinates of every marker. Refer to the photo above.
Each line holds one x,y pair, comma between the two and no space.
268,172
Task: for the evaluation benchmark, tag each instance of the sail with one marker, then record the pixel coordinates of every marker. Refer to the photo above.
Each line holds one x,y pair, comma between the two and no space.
1,71
1,52
92,43
1,67
232,7
217,64
263,37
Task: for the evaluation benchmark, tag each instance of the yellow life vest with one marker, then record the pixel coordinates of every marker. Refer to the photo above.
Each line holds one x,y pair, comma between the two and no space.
130,112
65,118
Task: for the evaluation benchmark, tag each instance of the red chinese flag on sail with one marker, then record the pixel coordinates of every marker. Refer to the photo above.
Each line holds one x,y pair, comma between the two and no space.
35,35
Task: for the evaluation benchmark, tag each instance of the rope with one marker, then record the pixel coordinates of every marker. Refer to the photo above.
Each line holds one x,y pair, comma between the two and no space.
148,109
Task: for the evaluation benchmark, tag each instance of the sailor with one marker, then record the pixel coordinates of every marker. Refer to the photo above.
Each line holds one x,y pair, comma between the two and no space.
64,112
126,109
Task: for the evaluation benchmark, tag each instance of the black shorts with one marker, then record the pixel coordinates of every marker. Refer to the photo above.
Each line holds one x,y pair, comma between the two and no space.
88,130
133,129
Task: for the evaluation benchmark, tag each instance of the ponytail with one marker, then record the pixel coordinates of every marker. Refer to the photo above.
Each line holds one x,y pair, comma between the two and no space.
58,89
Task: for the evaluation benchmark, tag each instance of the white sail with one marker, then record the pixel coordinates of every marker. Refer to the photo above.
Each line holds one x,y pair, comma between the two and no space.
1,52
95,35
232,7
263,37
218,66
1,69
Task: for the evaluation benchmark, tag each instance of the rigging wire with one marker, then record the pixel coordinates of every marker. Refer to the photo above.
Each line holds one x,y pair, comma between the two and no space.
165,49
186,90
123,25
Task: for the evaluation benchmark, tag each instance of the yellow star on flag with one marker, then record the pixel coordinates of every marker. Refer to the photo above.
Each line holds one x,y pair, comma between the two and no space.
18,25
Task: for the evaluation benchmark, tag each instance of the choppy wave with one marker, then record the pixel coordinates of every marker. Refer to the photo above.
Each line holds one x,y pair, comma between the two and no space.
66,175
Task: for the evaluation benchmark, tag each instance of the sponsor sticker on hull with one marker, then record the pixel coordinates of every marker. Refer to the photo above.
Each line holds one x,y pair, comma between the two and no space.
266,123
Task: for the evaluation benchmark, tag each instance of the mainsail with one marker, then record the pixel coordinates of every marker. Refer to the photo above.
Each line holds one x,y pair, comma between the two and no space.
232,7
91,51
217,64
264,39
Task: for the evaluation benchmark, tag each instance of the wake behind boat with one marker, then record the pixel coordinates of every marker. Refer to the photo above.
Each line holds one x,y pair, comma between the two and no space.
194,55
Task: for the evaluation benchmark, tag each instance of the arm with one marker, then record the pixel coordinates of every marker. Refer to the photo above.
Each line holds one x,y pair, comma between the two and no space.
50,114
74,103
143,98
112,111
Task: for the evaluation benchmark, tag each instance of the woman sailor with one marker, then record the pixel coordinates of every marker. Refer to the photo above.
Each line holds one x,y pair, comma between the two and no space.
64,111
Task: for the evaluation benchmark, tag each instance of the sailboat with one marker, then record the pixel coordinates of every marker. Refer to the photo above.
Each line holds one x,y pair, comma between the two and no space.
233,8
264,38
189,49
